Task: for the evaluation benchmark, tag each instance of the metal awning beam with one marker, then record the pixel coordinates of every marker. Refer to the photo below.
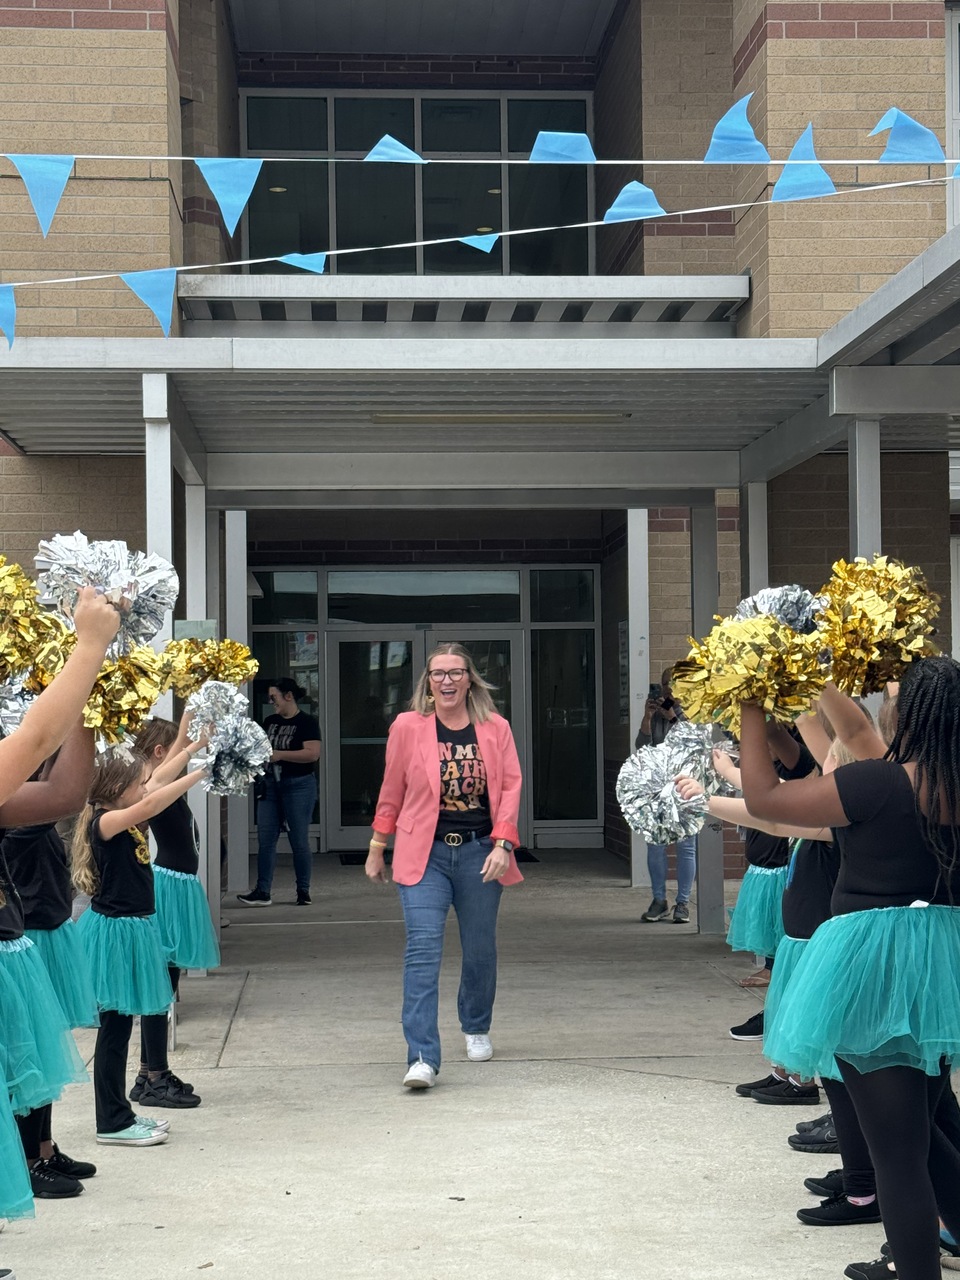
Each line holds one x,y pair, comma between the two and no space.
883,391
507,499
800,437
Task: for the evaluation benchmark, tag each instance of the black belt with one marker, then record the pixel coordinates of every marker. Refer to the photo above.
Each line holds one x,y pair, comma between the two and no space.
456,838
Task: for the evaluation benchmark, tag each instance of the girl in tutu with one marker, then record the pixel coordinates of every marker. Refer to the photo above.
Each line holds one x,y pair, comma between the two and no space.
183,914
111,863
875,994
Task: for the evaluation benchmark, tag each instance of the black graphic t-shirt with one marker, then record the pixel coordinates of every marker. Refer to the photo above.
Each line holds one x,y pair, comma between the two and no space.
290,735
37,861
125,873
464,802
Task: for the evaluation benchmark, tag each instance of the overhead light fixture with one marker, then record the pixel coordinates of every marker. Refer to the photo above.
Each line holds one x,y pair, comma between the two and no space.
493,419
278,190
494,191
484,230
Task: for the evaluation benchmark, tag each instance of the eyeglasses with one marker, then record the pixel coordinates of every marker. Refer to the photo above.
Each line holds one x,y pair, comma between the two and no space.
455,674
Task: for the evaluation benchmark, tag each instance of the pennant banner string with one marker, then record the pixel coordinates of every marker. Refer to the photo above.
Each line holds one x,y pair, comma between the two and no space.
524,231
647,163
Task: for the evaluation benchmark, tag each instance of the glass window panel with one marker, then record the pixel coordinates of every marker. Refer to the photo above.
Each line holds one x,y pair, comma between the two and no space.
288,597
291,654
546,196
376,204
294,218
456,124
561,595
376,684
527,116
424,596
564,726
359,123
492,660
461,202
286,124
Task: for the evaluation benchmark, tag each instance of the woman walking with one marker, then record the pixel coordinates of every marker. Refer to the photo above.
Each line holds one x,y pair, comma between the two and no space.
451,793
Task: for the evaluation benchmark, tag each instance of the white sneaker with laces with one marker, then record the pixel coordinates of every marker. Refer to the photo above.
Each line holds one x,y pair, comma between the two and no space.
479,1048
420,1075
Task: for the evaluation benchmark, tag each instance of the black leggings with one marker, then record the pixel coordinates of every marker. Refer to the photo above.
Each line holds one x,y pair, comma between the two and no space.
858,1176
153,1033
110,1070
35,1128
917,1166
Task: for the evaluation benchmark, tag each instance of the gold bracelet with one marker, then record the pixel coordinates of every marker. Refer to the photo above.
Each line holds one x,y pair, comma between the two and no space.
379,844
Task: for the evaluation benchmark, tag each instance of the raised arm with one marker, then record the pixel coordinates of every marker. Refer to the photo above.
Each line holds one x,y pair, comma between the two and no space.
811,801
734,811
113,821
173,765
851,726
62,788
815,736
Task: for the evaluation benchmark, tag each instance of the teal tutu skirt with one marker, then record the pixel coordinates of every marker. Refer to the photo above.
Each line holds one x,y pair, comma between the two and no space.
16,1194
877,989
65,962
784,966
757,921
127,962
38,1056
183,915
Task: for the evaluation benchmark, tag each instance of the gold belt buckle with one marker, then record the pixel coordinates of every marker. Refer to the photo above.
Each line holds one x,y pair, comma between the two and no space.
453,839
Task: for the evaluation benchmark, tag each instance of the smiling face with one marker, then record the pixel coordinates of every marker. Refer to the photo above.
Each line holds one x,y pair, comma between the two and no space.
449,684
284,704
135,792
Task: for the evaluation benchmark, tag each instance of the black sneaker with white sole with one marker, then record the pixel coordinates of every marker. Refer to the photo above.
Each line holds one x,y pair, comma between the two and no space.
881,1269
838,1211
303,898
746,1090
787,1094
804,1126
255,898
659,909
681,913
828,1185
752,1029
47,1184
822,1141
59,1162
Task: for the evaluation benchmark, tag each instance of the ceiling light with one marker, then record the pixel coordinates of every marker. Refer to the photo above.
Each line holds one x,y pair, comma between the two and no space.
278,190
494,191
484,230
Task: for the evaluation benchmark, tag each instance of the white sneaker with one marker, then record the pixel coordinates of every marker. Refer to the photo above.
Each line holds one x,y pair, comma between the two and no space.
420,1076
137,1135
479,1048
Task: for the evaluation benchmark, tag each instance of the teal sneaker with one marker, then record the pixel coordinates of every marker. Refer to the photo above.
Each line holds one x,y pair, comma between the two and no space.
148,1122
135,1135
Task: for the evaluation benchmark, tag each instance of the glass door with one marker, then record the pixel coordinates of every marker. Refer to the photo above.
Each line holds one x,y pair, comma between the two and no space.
370,677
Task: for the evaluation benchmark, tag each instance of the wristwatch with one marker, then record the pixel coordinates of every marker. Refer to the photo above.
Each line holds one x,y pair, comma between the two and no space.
503,844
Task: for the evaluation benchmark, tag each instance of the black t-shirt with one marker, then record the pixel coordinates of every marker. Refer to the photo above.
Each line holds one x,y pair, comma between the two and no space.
126,882
11,913
175,833
885,860
290,735
464,802
37,860
804,766
763,850
814,866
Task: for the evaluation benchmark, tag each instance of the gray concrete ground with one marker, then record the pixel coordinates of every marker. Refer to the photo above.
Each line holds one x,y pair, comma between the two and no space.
603,1141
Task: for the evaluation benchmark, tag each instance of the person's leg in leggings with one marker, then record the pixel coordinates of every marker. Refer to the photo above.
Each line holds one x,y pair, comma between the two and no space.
859,1178
944,1155
154,1028
31,1128
109,1072
894,1109
947,1116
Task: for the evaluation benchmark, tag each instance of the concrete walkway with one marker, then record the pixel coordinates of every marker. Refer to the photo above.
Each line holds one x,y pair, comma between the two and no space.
604,1140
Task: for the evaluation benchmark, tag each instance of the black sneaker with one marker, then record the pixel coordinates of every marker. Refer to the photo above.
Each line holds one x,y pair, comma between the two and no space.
61,1163
137,1090
822,1141
47,1184
787,1094
255,898
752,1029
746,1090
658,910
303,898
681,913
829,1185
804,1126
879,1270
837,1211
168,1091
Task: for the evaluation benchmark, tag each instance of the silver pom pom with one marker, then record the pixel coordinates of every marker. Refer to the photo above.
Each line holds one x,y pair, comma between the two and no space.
794,606
146,586
239,750
14,703
650,801
689,749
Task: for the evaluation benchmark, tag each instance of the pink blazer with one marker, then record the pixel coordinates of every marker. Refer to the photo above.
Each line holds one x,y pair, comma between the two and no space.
409,802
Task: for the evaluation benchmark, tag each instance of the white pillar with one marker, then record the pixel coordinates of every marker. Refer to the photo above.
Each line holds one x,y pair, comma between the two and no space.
754,538
638,636
235,626
214,803
158,451
863,462
195,596
705,592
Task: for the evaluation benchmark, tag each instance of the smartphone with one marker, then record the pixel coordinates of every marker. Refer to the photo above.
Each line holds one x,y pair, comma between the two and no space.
656,692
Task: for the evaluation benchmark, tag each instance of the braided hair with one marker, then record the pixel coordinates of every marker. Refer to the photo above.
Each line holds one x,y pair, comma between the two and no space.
928,735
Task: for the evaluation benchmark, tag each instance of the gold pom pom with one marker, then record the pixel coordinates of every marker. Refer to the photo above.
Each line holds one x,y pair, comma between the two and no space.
750,660
189,664
125,690
19,611
879,617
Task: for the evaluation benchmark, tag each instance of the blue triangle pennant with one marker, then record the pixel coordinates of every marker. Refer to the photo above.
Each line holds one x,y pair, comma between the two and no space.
393,152
156,290
314,262
734,140
909,141
483,243
562,148
803,181
8,313
231,181
634,201
45,178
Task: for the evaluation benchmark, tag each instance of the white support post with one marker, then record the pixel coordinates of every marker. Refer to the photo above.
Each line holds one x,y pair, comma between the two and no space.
638,633
754,538
195,593
214,825
235,620
158,449
863,461
705,591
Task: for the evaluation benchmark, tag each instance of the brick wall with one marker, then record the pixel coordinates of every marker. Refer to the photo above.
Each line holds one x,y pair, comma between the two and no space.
423,71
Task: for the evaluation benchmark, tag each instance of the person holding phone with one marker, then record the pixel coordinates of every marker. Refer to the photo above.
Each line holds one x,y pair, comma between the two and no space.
661,712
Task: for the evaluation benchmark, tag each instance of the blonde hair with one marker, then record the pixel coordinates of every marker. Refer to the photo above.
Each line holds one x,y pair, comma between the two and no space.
110,781
156,732
887,720
480,706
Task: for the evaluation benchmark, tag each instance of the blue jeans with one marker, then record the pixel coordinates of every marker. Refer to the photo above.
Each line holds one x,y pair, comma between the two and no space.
686,868
292,800
452,878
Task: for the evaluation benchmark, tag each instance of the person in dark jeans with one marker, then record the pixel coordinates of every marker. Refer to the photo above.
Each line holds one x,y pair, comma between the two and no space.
290,793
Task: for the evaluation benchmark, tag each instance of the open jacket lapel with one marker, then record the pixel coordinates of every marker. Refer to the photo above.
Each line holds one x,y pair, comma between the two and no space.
429,753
